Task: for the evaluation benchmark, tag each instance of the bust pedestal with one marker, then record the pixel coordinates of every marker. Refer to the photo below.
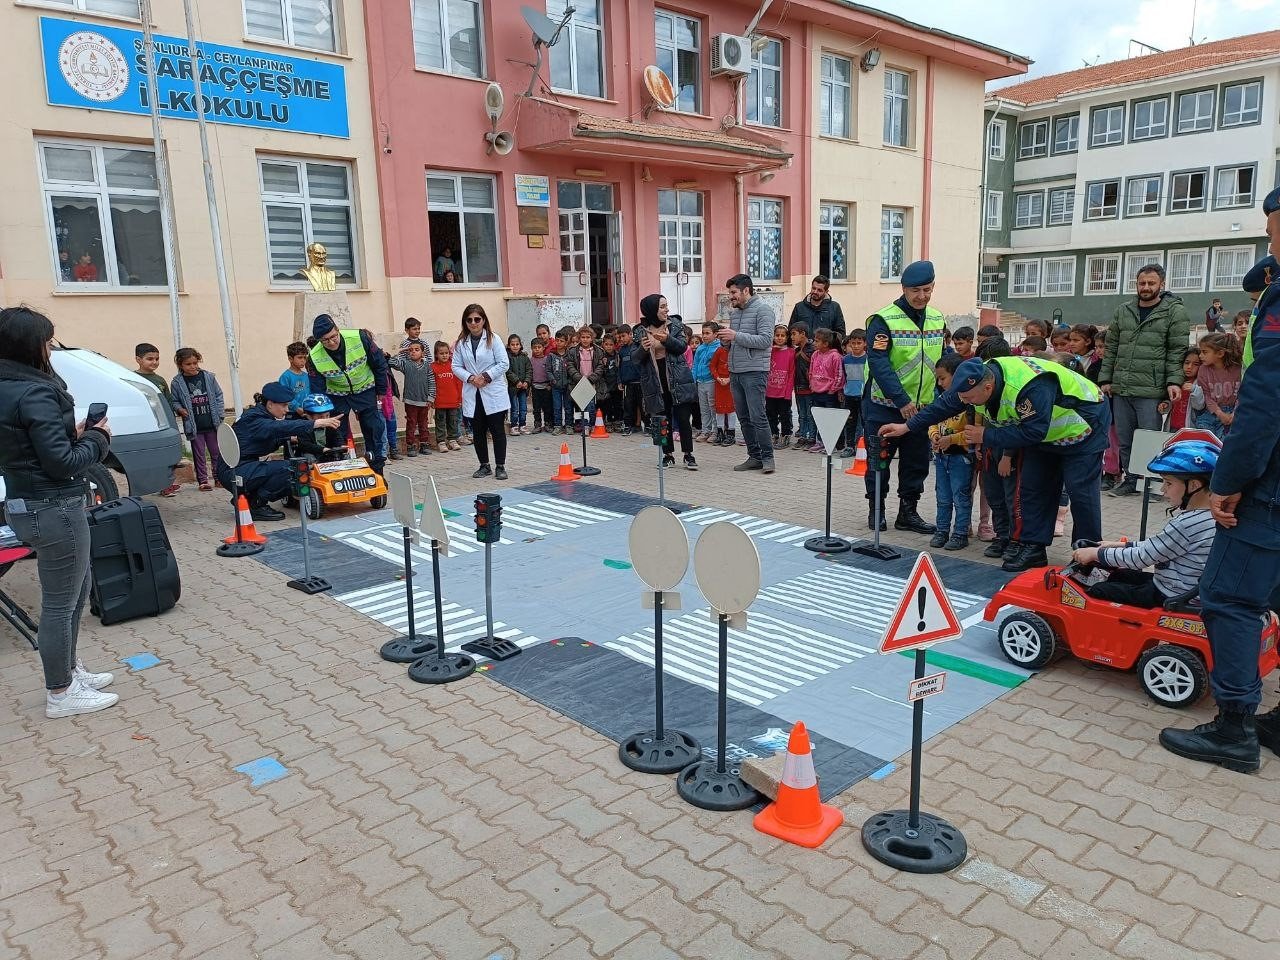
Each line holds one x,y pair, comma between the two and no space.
309,304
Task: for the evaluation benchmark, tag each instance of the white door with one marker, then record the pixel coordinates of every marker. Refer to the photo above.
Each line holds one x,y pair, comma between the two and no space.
573,257
680,239
617,272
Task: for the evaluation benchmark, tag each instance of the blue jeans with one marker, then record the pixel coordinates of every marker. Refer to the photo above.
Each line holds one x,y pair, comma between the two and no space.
390,444
806,429
519,407
561,406
58,531
953,476
748,403
1206,420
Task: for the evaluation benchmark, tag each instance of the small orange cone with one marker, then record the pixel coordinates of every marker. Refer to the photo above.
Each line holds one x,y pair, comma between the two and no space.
351,448
566,465
598,432
247,532
859,467
799,816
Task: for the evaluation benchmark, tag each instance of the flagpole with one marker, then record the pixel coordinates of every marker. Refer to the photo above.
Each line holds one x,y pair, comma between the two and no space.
162,177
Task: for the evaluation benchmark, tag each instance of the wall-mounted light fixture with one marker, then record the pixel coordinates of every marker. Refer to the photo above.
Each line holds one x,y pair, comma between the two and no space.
586,172
685,184
869,60
767,176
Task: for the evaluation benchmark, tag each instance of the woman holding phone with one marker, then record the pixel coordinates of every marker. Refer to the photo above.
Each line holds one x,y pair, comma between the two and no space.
43,456
666,381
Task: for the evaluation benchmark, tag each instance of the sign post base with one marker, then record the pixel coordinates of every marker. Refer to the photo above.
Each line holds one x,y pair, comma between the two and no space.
495,648
649,753
703,785
310,584
933,846
441,668
242,549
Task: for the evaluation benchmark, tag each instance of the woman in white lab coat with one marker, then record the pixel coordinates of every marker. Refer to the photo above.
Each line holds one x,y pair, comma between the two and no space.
480,361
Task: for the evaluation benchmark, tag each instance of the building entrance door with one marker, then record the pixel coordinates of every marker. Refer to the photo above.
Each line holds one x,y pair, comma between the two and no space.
680,235
590,249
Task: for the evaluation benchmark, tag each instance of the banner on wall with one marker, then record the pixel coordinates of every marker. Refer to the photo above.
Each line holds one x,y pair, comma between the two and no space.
96,67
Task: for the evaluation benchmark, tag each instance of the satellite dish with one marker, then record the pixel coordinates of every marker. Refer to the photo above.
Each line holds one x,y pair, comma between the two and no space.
545,30
659,86
493,101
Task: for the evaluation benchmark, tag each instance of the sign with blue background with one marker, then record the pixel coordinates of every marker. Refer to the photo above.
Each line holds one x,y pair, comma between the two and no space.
97,67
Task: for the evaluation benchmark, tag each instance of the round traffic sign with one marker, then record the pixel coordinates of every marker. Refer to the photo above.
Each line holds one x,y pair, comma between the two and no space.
727,567
228,445
659,548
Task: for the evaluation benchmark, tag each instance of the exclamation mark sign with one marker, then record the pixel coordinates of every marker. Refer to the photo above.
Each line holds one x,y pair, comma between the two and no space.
920,599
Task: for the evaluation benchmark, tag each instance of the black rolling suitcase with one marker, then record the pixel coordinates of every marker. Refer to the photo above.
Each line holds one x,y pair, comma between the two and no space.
132,568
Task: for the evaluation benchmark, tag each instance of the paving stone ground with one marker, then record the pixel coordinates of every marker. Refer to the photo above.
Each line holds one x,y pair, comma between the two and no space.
469,822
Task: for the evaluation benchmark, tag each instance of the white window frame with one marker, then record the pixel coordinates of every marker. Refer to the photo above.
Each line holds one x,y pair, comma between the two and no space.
1220,280
1039,141
762,224
286,18
1112,134
1110,283
897,110
1028,214
1142,211
1068,208
570,37
1201,121
675,47
997,137
888,233
995,210
1194,284
1237,199
1103,215
1185,205
1134,261
1244,116
306,202
1072,144
989,285
461,209
1029,285
759,68
91,6
1061,287
830,227
829,84
1150,128
449,66
100,192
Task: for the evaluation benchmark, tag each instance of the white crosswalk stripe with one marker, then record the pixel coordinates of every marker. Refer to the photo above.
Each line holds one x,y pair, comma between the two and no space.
386,603
757,527
836,591
766,660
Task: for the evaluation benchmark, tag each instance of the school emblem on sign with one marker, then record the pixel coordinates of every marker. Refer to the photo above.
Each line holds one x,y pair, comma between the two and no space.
93,66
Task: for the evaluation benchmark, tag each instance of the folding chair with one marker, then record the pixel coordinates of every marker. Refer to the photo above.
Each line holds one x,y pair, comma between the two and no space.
9,608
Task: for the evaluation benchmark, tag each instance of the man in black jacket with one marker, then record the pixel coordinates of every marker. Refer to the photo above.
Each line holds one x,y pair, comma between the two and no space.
818,310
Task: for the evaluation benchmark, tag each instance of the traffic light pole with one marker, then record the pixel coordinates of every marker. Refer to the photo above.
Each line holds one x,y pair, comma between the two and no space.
301,470
488,521
436,666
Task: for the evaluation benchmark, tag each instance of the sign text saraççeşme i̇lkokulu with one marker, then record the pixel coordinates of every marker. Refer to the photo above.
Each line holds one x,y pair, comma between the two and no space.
104,68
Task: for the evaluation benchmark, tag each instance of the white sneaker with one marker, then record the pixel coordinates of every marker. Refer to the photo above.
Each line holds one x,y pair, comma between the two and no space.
77,698
95,680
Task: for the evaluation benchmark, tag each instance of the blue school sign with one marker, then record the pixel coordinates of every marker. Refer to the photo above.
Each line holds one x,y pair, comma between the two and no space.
104,68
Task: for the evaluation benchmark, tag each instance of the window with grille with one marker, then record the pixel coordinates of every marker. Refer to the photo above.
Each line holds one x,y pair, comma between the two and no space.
307,201
102,203
1062,205
1102,273
1059,276
1230,264
299,23
1024,278
462,216
1135,261
448,35
1187,268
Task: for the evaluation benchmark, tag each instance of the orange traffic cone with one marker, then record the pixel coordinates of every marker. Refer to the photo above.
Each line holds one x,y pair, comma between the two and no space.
598,432
799,816
351,448
859,467
566,465
246,533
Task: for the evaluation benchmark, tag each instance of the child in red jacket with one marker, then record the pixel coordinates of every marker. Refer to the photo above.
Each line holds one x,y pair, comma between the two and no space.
725,418
448,399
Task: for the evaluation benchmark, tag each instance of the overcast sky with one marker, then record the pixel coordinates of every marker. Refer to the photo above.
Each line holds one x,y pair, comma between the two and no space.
1059,37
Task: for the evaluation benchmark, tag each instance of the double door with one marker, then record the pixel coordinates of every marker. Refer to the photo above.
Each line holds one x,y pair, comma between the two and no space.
680,260
591,250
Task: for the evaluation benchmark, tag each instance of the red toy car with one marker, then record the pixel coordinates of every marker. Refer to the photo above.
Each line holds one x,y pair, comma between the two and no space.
1169,645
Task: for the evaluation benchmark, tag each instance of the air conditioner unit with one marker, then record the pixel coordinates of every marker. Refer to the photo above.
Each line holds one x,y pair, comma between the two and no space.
730,55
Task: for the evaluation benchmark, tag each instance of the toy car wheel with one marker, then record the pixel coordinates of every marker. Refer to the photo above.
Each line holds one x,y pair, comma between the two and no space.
1027,640
1172,676
314,504
378,502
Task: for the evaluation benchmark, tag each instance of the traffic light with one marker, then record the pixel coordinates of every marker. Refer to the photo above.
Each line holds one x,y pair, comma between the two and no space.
300,475
488,517
659,431
882,460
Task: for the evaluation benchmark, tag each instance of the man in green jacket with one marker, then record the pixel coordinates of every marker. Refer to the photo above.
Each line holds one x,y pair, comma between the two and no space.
1142,362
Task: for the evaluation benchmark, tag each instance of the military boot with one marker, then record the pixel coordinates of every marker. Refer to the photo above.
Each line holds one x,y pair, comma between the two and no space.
1230,740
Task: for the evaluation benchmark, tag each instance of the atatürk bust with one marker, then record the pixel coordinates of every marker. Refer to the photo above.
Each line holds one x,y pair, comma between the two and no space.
321,277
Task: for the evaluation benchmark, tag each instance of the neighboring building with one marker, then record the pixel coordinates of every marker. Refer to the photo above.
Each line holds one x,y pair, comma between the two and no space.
1163,158
843,141
292,151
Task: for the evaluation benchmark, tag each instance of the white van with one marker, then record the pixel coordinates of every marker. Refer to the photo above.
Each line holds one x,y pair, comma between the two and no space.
146,444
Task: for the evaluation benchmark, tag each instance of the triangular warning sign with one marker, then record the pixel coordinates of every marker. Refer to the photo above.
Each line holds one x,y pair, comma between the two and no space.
924,615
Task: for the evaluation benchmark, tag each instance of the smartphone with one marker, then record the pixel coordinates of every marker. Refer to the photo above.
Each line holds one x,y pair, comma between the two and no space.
97,413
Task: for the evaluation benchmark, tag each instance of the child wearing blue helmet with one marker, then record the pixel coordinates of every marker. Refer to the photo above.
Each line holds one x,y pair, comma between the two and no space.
317,406
1180,550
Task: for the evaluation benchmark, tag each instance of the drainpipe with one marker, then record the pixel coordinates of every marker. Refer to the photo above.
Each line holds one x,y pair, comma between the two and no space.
740,226
926,205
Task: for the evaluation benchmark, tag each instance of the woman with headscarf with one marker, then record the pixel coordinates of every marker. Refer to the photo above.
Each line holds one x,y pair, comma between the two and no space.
666,381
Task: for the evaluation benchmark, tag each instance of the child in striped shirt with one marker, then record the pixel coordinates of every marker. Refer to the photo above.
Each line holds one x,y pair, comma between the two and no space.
1180,550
